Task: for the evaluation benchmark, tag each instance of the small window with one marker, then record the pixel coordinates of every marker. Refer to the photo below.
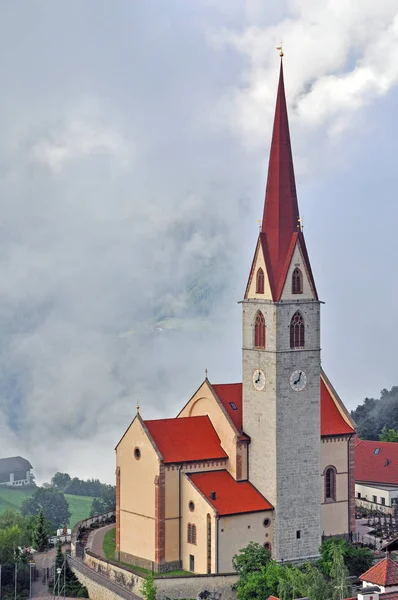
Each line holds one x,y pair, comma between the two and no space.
298,534
259,330
137,453
267,522
374,499
260,281
189,533
377,450
233,406
297,282
191,506
193,534
330,485
358,494
192,563
297,331
383,500
267,546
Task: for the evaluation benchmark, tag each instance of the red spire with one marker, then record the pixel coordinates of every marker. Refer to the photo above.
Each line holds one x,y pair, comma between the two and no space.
280,228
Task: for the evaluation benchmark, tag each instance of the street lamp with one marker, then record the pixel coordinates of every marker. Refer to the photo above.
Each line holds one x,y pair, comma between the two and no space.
59,577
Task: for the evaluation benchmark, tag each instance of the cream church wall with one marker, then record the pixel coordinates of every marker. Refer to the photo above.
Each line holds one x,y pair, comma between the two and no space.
297,261
172,524
204,403
259,262
137,494
199,518
334,515
236,531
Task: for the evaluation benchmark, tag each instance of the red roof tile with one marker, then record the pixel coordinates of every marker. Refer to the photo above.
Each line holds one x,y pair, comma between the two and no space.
231,393
273,598
186,439
388,596
381,467
384,573
232,497
332,422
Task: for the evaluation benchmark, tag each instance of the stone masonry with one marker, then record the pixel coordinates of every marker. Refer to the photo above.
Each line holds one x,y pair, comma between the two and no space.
284,425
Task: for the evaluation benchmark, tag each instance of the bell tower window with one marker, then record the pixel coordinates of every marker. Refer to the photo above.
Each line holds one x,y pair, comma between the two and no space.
259,331
297,331
260,281
330,484
297,281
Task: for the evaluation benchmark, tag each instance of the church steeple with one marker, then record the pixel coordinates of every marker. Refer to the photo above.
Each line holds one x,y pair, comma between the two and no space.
281,230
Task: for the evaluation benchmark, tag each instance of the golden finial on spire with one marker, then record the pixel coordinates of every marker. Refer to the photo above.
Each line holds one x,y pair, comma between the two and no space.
138,407
280,48
300,223
259,221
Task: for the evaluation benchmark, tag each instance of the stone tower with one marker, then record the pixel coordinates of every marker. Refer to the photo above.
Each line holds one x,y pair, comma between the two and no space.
281,361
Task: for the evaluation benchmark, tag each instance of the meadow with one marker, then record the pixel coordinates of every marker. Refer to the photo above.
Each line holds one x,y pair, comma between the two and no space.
12,498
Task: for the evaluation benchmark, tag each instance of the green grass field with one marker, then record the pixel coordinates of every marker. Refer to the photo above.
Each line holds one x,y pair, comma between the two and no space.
11,499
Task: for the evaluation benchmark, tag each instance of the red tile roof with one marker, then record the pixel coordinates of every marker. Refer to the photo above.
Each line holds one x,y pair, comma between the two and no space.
332,422
273,598
232,497
376,468
384,573
186,439
227,393
388,596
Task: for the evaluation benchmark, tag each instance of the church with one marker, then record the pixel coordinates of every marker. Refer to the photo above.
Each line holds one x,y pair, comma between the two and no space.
268,460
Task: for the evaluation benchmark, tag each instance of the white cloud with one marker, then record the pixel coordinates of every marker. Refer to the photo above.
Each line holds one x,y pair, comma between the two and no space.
339,56
77,139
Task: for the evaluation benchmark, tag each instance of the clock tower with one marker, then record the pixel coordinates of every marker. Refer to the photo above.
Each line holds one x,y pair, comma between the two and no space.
281,361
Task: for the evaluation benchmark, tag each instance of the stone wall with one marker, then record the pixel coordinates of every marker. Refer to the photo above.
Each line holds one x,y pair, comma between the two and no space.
86,523
167,587
98,587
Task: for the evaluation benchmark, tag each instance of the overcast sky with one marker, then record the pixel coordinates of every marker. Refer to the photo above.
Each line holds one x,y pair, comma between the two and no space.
134,140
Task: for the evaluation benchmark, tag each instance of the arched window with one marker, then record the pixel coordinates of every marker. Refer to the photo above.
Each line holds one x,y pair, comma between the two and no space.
189,536
259,330
260,281
297,331
193,534
330,484
297,282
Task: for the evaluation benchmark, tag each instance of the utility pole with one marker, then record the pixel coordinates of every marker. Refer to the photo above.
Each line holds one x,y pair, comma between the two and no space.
16,580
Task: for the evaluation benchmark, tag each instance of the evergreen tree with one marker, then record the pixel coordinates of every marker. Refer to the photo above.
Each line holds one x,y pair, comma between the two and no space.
73,587
40,533
338,575
148,588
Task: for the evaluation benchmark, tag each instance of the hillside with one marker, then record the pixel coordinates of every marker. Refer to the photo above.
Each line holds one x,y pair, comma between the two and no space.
11,499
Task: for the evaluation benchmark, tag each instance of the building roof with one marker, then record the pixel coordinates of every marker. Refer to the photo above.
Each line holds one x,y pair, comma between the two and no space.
186,439
280,229
332,420
13,464
232,497
384,573
230,395
376,462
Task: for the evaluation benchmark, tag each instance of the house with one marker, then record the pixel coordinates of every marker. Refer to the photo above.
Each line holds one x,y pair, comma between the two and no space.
376,475
380,582
269,459
15,471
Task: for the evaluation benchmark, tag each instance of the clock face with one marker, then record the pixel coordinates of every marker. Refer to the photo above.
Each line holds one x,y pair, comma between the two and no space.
259,379
298,380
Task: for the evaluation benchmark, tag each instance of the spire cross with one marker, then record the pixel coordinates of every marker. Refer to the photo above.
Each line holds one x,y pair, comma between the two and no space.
280,48
138,407
259,221
206,373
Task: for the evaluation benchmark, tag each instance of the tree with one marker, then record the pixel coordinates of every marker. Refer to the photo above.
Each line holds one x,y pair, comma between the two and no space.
53,504
60,481
388,435
357,560
73,587
148,589
254,586
40,533
338,575
252,558
105,503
